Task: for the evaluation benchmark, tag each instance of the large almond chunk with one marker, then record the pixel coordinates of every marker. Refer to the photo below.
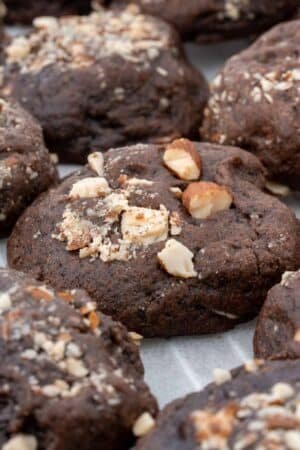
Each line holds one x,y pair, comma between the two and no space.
182,158
92,187
177,259
204,199
145,226
96,163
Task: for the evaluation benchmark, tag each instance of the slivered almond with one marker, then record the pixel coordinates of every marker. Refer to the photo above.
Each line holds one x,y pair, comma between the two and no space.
203,199
182,158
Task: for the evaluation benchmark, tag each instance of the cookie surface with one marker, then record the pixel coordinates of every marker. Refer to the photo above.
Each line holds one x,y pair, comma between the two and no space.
256,408
67,73
277,332
20,12
217,20
121,231
255,103
26,169
70,376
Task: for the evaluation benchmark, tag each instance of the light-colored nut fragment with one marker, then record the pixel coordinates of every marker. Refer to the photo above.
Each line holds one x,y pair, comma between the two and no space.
182,158
283,391
204,199
90,188
5,302
176,191
221,376
297,336
76,367
278,189
144,225
136,337
143,425
96,163
176,223
18,49
177,259
21,442
292,439
46,22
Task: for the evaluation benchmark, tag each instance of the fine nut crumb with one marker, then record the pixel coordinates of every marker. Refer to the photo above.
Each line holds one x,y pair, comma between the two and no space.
143,425
221,376
182,158
203,199
177,260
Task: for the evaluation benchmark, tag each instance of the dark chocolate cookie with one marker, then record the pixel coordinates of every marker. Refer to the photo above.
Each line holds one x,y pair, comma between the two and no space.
26,169
70,377
256,407
23,12
217,20
105,80
255,103
161,254
277,332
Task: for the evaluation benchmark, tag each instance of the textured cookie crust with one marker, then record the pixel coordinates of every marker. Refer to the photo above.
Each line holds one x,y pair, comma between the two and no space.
277,332
92,232
21,12
217,20
105,80
70,376
258,408
255,102
26,169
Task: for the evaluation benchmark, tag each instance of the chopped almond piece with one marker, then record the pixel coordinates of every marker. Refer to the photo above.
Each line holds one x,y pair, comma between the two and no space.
204,199
182,158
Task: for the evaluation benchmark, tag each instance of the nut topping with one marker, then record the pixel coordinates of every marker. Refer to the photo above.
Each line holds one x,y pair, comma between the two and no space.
278,189
96,163
182,158
144,225
177,260
204,199
21,442
143,425
90,188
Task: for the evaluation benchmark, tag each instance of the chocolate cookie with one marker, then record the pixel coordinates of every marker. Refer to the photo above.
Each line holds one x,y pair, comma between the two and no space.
277,332
20,12
26,169
70,376
217,20
256,407
164,255
255,103
105,80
